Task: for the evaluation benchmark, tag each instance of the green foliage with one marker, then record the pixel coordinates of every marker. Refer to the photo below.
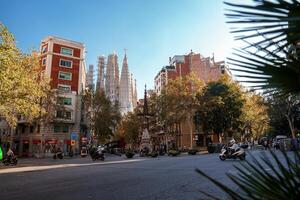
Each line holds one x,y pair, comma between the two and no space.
280,181
22,85
192,151
220,106
129,153
283,114
153,154
176,103
255,119
271,30
129,128
173,153
102,113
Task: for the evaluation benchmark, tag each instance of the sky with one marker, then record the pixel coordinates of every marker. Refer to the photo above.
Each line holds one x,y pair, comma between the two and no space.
150,30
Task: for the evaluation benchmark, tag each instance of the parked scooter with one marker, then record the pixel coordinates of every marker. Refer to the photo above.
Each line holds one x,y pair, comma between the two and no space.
97,154
227,153
58,154
10,160
83,152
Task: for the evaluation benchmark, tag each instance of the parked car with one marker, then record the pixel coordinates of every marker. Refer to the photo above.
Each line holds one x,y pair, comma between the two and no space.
277,140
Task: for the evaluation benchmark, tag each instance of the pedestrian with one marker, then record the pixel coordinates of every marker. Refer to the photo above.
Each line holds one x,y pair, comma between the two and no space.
1,154
266,144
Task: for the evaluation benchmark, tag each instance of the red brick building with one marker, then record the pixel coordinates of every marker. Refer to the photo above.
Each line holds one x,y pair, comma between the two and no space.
205,69
63,62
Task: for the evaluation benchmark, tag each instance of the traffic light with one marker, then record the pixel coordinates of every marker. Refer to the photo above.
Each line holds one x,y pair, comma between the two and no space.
72,142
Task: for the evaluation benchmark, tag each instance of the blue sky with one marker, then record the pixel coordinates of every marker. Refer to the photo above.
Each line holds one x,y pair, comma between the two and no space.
151,30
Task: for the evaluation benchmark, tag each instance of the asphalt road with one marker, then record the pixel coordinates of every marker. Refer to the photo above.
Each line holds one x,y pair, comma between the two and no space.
117,178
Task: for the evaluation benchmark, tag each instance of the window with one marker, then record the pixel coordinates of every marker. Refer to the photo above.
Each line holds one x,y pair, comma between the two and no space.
68,115
65,128
61,128
65,75
63,114
65,101
44,62
64,88
65,63
44,49
59,114
31,129
66,51
56,128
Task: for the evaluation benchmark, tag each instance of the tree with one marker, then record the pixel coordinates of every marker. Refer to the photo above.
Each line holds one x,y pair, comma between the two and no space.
284,111
220,107
22,85
103,115
178,101
130,126
255,118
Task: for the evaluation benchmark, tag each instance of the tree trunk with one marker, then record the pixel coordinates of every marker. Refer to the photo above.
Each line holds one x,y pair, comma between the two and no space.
291,125
191,130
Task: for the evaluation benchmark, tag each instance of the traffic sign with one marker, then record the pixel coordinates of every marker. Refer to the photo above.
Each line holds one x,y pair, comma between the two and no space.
73,136
72,142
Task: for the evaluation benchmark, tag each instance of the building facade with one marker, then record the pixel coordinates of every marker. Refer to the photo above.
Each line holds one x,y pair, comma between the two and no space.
63,62
207,70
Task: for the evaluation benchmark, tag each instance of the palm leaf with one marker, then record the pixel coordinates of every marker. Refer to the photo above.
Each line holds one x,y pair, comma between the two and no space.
280,181
274,26
269,19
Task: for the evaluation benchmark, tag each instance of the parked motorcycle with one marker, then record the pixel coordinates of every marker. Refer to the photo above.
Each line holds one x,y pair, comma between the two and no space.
58,154
9,160
83,152
227,153
97,155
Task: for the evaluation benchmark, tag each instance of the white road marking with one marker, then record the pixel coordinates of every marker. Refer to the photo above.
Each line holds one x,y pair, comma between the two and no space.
39,168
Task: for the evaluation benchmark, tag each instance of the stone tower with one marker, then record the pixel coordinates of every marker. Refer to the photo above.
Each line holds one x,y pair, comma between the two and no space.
125,89
100,77
112,78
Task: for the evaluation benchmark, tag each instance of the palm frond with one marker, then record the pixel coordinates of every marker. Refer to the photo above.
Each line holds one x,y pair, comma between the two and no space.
272,28
273,19
273,71
264,178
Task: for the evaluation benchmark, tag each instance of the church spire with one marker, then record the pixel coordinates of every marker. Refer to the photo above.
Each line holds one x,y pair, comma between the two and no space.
125,88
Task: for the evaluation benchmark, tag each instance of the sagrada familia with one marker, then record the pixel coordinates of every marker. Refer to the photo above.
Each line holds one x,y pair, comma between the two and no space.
121,89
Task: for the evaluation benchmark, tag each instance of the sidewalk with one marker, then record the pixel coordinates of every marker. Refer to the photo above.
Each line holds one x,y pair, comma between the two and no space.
25,162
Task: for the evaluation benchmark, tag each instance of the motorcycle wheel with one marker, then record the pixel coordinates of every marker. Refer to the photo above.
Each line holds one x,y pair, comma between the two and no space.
6,163
222,158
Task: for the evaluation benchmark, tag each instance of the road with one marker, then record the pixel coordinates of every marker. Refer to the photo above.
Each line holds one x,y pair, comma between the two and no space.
116,178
